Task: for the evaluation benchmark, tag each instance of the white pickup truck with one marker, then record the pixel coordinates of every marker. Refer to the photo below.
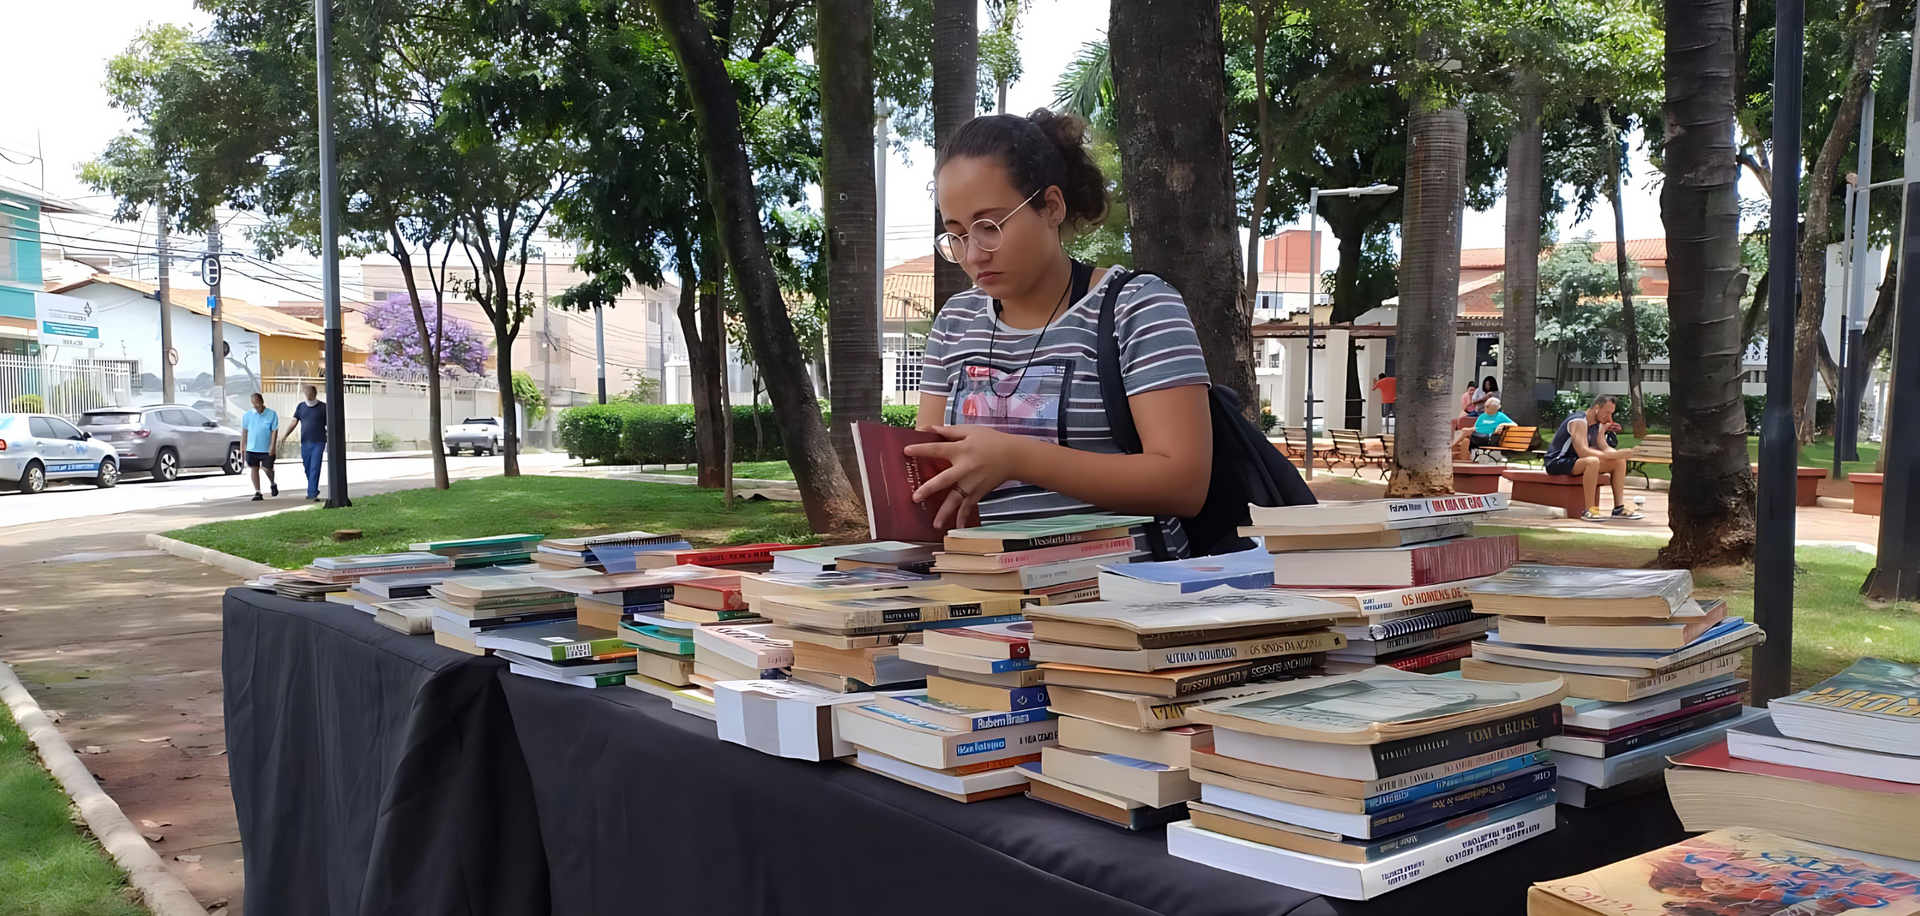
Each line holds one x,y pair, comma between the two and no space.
475,434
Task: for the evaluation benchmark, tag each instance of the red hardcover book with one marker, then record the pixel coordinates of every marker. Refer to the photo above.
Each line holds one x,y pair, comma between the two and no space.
890,478
1715,757
1427,658
745,555
1396,567
715,593
997,562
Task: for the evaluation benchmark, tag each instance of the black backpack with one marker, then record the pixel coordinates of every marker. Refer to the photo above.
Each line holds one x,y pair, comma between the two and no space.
1247,469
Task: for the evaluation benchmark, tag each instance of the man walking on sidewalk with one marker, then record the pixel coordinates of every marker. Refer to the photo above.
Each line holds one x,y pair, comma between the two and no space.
310,416
261,427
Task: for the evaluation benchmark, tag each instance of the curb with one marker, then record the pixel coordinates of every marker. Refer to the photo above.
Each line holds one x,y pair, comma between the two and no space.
239,566
162,892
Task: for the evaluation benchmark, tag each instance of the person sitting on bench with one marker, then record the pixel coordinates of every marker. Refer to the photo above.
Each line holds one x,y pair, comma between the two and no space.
1484,431
1584,446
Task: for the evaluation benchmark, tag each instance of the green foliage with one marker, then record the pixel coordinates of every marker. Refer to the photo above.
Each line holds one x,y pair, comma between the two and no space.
641,388
48,866
526,393
29,403
385,441
1108,243
663,433
77,392
1579,312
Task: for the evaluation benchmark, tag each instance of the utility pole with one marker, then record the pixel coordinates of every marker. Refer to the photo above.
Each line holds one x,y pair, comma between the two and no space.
1846,433
1773,552
1896,567
600,348
210,268
546,331
881,128
167,355
330,261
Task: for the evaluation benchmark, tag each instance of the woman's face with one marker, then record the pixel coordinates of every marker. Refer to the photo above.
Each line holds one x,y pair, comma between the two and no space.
974,188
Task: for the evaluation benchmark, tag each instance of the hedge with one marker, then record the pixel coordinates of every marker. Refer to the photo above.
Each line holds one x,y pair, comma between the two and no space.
663,433
1659,410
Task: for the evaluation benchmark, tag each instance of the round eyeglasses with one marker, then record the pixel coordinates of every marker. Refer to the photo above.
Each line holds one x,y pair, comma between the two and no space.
984,234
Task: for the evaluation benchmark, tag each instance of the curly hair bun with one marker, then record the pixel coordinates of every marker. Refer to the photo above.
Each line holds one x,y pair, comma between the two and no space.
1044,149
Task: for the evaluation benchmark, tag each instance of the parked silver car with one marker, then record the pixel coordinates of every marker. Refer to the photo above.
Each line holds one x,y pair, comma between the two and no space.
164,439
36,449
474,434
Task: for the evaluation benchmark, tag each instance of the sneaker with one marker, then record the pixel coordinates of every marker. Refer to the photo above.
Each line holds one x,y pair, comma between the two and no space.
1592,516
276,489
1627,513
256,497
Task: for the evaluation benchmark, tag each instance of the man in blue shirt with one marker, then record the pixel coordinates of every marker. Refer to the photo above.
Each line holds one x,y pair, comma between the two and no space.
261,428
310,416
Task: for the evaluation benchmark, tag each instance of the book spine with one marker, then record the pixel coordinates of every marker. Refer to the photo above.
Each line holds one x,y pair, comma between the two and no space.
1394,629
1464,559
1421,751
964,622
1252,671
1429,659
1458,849
1388,601
1453,781
1420,812
1008,545
1000,665
1423,835
1693,674
1014,559
999,719
733,556
1040,577
1292,644
1427,637
1697,697
1667,730
1023,741
988,766
1523,750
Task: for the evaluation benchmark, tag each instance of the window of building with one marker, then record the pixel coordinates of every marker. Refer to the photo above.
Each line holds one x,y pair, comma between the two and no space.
9,267
907,369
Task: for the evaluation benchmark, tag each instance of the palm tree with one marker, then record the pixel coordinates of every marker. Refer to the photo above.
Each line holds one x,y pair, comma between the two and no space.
832,506
1429,291
956,73
1711,505
1520,282
844,53
1169,91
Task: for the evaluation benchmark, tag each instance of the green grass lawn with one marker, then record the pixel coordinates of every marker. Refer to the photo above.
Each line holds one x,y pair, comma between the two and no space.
751,470
1817,454
553,506
1832,623
48,867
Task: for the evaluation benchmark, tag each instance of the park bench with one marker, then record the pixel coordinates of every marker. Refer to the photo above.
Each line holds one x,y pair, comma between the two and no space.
1511,442
1349,449
1651,450
1297,443
1469,477
1544,489
1866,492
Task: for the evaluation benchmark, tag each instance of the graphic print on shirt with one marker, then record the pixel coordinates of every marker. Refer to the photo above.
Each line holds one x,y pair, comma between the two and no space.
1027,402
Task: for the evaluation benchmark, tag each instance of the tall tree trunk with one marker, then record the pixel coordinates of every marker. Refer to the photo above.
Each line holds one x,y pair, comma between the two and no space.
1169,86
1711,505
1429,293
844,55
1350,219
956,90
699,314
505,331
1257,214
1878,334
430,348
1629,322
1001,85
832,506
1519,349
1816,230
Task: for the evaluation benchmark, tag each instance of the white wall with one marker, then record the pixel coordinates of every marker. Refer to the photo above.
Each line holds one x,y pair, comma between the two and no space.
130,330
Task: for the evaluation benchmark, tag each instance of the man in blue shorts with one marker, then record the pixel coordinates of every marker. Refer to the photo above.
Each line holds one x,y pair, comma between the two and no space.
261,429
1584,446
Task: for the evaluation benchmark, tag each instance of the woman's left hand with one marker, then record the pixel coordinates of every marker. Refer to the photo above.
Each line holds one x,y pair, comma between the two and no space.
982,458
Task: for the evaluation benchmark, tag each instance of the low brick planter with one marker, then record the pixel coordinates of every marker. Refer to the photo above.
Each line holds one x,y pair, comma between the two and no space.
1544,489
1806,486
1469,477
1866,493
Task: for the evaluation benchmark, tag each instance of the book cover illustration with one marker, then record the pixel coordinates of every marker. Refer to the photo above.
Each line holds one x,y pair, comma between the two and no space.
1742,873
1873,687
1356,704
1532,580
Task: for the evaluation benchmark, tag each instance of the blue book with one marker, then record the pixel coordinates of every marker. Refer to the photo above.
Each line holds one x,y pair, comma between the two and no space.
1172,578
1448,783
918,705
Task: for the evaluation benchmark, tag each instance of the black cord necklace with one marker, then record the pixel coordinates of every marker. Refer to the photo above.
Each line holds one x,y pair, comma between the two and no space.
993,341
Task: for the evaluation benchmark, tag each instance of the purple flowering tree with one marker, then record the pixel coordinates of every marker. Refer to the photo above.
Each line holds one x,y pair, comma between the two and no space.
399,351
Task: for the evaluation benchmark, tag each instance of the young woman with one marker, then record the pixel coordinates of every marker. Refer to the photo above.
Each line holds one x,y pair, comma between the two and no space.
1011,378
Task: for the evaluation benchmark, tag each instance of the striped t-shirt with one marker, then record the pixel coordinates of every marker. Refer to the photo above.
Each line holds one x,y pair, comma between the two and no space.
976,362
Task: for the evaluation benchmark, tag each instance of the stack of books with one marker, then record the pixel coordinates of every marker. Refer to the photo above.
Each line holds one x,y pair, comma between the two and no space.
662,630
1838,763
783,718
708,599
851,643
606,600
738,652
1119,675
348,570
592,552
562,651
1737,872
487,551
918,558
1056,560
827,559
300,586
469,607
989,659
1141,583
1402,563
1355,784
1650,670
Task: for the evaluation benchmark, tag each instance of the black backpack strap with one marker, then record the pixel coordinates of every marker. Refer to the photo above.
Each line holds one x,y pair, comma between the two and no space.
1113,394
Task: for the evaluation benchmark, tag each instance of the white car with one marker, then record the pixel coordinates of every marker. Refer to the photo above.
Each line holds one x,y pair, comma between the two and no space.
37,448
474,434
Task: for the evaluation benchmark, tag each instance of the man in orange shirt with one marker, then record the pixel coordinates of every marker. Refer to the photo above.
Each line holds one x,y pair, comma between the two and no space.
1386,384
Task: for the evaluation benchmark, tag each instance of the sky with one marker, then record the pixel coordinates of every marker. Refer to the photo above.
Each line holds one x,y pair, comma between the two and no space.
58,106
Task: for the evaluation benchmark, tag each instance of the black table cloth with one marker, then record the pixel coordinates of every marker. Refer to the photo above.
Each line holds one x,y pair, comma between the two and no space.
372,772
644,809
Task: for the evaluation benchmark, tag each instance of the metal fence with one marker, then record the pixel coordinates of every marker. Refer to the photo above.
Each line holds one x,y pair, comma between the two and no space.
385,415
31,384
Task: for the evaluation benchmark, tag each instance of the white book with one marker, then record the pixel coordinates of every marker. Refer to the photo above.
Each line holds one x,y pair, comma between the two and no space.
1351,880
746,645
1601,716
576,680
1607,772
943,782
935,746
1762,741
1372,512
783,718
1358,826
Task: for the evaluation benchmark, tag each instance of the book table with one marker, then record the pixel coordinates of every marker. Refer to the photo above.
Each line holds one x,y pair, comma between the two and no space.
374,761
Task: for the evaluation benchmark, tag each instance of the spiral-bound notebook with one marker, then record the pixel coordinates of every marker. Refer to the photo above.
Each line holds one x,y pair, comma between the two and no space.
890,478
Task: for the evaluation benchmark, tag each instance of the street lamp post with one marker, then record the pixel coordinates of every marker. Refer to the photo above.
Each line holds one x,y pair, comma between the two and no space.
1313,281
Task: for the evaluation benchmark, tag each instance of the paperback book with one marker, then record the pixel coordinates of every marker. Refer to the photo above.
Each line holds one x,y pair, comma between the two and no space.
1033,534
1376,706
1172,579
1533,590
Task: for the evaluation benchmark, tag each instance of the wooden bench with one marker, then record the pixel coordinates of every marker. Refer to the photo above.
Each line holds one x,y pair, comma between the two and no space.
1351,450
1866,493
1544,489
1476,478
1806,490
1297,444
1512,442
1651,450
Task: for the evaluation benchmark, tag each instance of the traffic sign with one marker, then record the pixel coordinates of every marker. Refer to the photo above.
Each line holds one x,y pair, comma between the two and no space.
210,270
